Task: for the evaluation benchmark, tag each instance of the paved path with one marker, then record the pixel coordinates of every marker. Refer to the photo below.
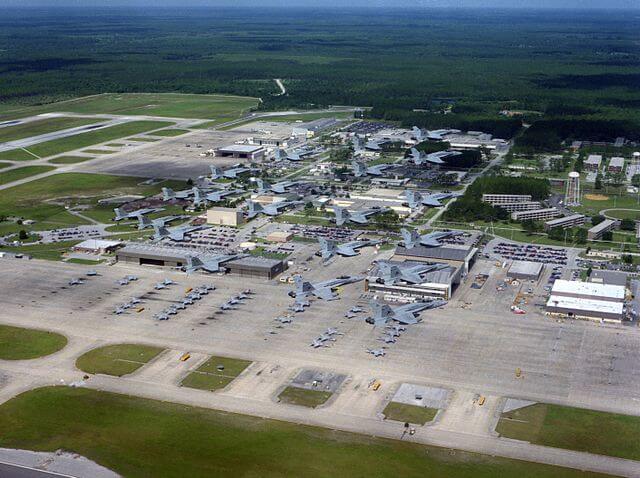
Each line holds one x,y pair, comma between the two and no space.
283,91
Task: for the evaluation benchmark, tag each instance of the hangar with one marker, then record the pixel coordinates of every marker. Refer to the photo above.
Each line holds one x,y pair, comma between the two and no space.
438,284
256,267
461,256
241,151
587,300
525,270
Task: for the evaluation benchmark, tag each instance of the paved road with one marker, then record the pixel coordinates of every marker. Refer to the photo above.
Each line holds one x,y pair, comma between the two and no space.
283,91
18,471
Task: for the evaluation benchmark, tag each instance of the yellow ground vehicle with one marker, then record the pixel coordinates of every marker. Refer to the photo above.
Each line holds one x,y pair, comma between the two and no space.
482,400
188,289
518,372
376,385
139,309
185,356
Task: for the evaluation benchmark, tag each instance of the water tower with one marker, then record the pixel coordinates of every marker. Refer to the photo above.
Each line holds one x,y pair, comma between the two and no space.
572,195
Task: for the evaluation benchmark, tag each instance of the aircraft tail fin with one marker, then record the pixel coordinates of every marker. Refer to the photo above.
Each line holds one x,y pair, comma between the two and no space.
216,172
119,213
342,215
144,222
167,194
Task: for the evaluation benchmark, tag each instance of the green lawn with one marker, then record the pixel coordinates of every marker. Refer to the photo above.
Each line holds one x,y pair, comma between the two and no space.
304,397
118,360
33,200
4,164
414,414
17,343
99,151
574,428
16,155
24,172
83,140
208,377
144,140
50,252
220,107
625,214
42,126
170,132
142,438
69,159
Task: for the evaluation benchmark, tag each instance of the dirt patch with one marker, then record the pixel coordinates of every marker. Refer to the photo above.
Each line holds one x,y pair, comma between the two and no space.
596,197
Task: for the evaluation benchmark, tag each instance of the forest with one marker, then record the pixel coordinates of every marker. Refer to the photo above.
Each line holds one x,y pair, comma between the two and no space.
432,68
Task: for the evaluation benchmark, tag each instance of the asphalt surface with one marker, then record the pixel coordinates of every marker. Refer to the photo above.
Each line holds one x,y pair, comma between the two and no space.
17,471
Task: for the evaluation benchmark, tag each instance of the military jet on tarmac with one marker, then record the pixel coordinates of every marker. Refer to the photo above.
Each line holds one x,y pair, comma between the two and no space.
231,173
202,197
419,158
144,222
120,214
376,352
329,248
323,290
168,194
410,239
403,314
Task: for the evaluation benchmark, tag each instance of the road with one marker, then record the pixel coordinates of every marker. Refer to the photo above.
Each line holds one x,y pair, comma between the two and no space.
283,91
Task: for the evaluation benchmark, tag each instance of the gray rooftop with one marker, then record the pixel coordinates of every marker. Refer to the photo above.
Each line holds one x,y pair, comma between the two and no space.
526,268
562,220
451,252
604,225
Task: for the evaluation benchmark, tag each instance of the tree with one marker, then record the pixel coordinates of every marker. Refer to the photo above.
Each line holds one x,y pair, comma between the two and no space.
627,258
189,182
635,180
598,183
580,236
597,219
530,226
628,225
557,234
22,235
607,236
387,220
308,209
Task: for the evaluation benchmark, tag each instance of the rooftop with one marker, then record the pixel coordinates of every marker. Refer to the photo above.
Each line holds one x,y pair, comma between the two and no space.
585,306
450,252
609,291
526,267
241,148
562,220
602,225
97,244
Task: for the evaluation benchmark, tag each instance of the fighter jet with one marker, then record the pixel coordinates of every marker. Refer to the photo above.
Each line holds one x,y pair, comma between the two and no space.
174,233
351,313
226,306
201,197
273,209
207,263
332,331
168,194
412,238
161,316
92,273
360,169
119,310
396,329
75,281
120,214
323,290
376,352
329,248
284,320
359,217
279,155
417,134
160,286
231,173
299,154
316,344
418,158
415,199
403,314
144,222
278,188
392,273
387,339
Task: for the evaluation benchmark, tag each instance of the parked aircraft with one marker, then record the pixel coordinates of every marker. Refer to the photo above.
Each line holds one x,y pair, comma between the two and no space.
419,158
359,217
329,248
207,263
299,154
202,197
273,209
168,194
404,314
284,320
323,290
410,239
120,214
376,352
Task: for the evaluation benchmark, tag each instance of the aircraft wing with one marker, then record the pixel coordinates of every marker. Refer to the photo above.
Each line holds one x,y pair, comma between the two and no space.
347,251
359,218
325,293
430,240
431,201
406,318
412,277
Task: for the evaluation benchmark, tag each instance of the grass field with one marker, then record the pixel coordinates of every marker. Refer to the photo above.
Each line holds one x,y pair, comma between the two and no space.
208,377
45,125
137,437
30,200
22,344
83,140
218,107
624,214
144,140
69,159
401,412
49,252
304,397
4,164
21,173
170,132
118,360
574,428
99,151
16,155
